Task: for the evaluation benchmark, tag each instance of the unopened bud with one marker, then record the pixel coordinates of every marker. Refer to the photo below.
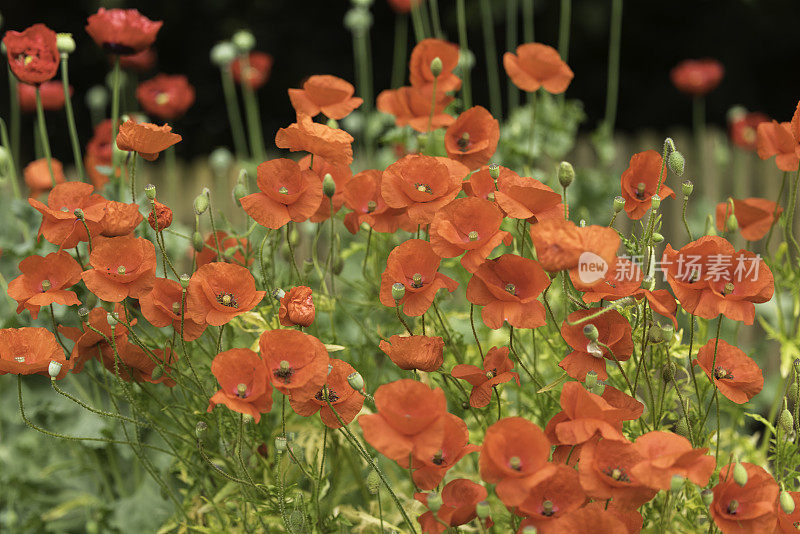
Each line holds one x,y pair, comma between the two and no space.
657,238
676,162
740,474
200,429
53,369
197,242
223,53
398,291
244,40
200,203
591,333
668,371
710,226
65,43
687,186
654,333
787,502
356,381
786,421
731,224
150,191
434,502
436,66
707,496
281,444
793,393
373,482
619,204
566,174
667,332
676,483
328,185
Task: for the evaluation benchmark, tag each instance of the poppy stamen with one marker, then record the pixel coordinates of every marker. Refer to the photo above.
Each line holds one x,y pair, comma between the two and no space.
720,374
284,371
423,188
463,142
19,359
438,459
728,289
371,206
326,393
176,308
491,374
121,269
227,299
515,463
283,190
640,190
618,474
473,235
46,285
416,281
511,288
241,391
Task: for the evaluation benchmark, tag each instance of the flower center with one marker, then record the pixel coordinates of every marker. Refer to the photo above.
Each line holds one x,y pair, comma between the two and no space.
640,190
416,280
438,458
473,235
515,463
733,506
46,285
463,142
491,374
326,393
283,190
618,474
728,289
284,371
371,206
19,359
511,288
26,59
423,188
720,373
547,508
227,299
121,269
241,391
176,308
162,98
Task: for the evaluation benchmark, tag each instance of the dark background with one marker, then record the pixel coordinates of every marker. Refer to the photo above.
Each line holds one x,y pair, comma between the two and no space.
757,41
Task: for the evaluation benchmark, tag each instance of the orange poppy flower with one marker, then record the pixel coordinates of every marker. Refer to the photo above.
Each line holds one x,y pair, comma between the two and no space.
743,129
559,244
469,226
286,193
232,250
122,31
33,56
415,265
37,176
472,139
409,419
29,351
160,216
120,219
146,139
552,498
162,307
508,288
346,401
332,144
121,267
297,307
242,378
459,499
496,370
422,184
527,198
257,71
220,291
51,93
429,472
663,303
537,65
787,522
419,66
666,455
749,508
132,363
710,278
754,216
515,457
341,174
606,472
44,281
480,183
297,363
411,107
166,97
362,194
423,353
98,154
592,519
733,372
59,225
781,140
623,279
697,77
639,182
88,342
613,330
326,94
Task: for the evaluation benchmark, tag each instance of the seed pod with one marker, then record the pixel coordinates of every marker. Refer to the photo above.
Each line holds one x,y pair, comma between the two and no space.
687,187
655,202
708,496
654,333
398,291
184,280
244,40
200,429
740,474
65,43
591,380
436,66
356,381
53,369
223,53
483,509
619,204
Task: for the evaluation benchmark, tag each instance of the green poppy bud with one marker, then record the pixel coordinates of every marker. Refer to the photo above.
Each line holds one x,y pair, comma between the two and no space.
707,496
676,483
434,502
436,66
657,238
710,226
682,428
787,502
786,421
566,174
619,204
328,185
373,482
654,333
158,372
244,40
197,241
223,53
398,291
591,333
200,203
793,392
676,162
740,474
668,371
53,369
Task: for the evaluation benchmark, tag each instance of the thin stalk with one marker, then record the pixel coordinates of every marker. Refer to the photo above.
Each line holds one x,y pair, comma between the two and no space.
699,127
13,104
12,164
43,135
563,29
512,9
115,113
234,113
436,25
493,72
466,89
612,87
527,21
400,50
73,132
252,115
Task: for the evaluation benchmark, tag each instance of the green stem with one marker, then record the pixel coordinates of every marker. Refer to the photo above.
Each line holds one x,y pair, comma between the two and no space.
493,72
115,115
466,89
252,114
234,113
13,104
133,176
437,27
512,9
73,132
563,29
12,167
43,135
612,88
400,50
699,127
527,21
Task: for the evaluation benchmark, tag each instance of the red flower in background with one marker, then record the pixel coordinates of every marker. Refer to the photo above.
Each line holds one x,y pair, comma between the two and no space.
593,519
232,250
59,225
411,107
98,154
428,472
403,6
666,455
419,66
613,330
122,32
472,139
244,387
606,472
297,307
537,65
44,281
146,139
37,176
325,94
639,182
414,352
362,194
346,401
219,291
459,499
297,363
29,351
255,71
286,193
781,140
120,219
51,93
121,267
733,372
415,265
754,216
166,97
332,144
32,54
162,307
496,370
697,77
140,61
749,508
743,129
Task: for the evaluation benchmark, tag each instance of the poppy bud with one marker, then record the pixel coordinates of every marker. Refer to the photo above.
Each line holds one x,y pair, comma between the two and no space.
676,483
78,213
373,482
356,381
160,216
566,174
786,421
83,313
530,529
398,291
682,428
667,332
333,123
668,371
223,53
158,372
281,444
676,162
619,204
434,502
591,380
357,20
220,159
657,238
65,43
53,369
687,187
740,474
708,496
197,242
793,393
184,280
590,331
328,185
654,333
731,224
598,388
710,227
97,97
244,40
150,191
787,503
655,202
436,66
483,509
200,203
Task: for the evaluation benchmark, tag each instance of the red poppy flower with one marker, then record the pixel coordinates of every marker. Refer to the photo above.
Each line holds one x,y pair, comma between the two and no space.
146,139
754,216
51,93
508,288
232,250
332,144
415,265
362,194
346,401
131,362
242,378
459,499
219,291
415,352
297,307
787,522
422,184
411,107
469,226
409,419
429,472
496,370
341,174
44,281
297,363
781,140
537,65
623,279
286,193
59,225
710,278
140,61
750,508
697,77
160,216
472,138
98,154
257,71
666,455
166,97
592,519
419,66
32,54
733,372
480,183
37,176
743,129
560,244
121,267
88,342
326,94
613,330
606,472
552,498
639,182
527,198
120,219
162,307
29,351
663,303
403,6
122,32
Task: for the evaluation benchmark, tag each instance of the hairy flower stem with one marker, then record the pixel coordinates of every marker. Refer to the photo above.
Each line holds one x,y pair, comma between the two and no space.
43,135
133,180
429,141
474,332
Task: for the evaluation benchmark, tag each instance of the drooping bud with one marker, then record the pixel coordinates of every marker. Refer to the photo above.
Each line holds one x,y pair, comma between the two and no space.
328,185
731,224
591,380
239,192
436,66
676,162
740,474
591,333
566,174
687,187
356,381
65,43
434,502
200,203
619,204
53,369
710,226
398,291
244,40
787,502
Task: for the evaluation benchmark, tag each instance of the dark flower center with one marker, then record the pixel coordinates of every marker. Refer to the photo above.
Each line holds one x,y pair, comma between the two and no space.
438,459
241,391
511,288
423,188
284,372
371,206
720,373
617,473
733,506
640,191
515,463
463,142
547,508
46,285
416,280
227,299
326,392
